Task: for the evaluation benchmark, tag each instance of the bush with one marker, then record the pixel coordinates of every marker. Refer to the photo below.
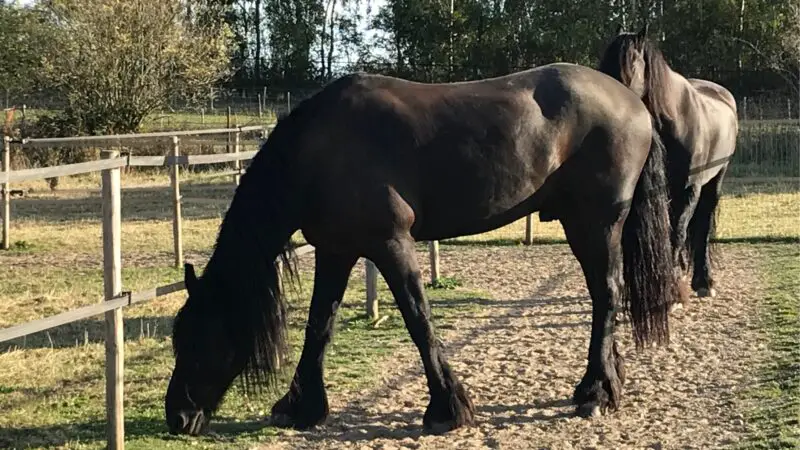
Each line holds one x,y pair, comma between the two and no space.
47,125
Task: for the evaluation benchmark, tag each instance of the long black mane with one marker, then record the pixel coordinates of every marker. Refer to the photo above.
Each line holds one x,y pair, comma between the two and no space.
242,286
618,59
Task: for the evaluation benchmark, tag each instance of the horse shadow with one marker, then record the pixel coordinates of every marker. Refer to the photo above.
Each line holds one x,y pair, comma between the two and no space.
355,424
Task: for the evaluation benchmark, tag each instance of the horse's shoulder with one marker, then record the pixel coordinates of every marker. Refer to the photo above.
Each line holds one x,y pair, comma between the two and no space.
710,90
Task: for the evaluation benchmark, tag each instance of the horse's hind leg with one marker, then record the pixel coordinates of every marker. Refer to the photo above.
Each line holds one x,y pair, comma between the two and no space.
702,230
598,248
450,407
684,205
306,403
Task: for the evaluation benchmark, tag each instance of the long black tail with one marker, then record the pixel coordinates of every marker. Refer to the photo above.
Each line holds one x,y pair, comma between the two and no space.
650,282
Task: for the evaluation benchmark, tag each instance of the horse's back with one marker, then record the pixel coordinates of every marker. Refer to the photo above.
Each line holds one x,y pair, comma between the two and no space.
714,91
468,156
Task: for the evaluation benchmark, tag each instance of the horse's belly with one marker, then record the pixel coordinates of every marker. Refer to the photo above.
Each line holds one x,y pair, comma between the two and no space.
452,207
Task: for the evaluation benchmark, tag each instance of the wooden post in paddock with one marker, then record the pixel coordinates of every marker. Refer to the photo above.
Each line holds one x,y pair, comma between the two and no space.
372,289
528,230
112,287
228,135
177,228
433,250
6,193
238,163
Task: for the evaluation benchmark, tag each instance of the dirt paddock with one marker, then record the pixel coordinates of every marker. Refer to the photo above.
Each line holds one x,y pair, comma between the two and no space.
521,355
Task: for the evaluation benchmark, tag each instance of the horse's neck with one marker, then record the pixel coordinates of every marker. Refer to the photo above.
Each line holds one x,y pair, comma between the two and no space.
671,88
236,255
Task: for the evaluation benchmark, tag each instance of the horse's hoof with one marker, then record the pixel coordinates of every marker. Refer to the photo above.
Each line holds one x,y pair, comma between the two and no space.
286,421
588,410
280,421
706,292
448,413
301,413
441,427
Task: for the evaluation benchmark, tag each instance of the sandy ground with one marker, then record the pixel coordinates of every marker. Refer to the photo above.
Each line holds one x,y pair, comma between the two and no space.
521,356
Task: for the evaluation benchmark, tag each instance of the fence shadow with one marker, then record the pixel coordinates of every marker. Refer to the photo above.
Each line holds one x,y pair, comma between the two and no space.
221,430
91,331
138,203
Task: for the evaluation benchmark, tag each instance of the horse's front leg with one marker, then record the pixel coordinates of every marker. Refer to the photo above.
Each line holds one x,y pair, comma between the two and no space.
306,403
450,406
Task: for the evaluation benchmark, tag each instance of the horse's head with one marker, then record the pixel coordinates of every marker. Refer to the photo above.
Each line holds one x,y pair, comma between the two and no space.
625,59
635,61
205,361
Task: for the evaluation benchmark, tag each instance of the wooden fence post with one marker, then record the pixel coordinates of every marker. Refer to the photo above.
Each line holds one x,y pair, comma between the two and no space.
528,230
228,135
238,163
177,233
112,287
6,193
433,249
372,289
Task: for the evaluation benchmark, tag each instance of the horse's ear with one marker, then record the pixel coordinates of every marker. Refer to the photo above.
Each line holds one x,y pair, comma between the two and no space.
643,32
618,29
189,278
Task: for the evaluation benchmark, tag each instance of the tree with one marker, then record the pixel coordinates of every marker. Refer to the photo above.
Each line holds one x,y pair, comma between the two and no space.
116,61
24,35
791,36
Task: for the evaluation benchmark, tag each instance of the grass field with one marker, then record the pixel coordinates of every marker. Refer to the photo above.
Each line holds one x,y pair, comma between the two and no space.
183,120
775,415
52,386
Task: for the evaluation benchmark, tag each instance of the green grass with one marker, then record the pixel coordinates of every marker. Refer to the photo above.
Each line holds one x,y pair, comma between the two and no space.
775,418
52,385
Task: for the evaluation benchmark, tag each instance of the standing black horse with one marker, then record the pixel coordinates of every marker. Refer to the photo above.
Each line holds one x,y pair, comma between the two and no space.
698,124
370,165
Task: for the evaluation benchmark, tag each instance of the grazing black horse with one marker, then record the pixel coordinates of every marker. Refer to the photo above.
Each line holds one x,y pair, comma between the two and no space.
371,164
698,124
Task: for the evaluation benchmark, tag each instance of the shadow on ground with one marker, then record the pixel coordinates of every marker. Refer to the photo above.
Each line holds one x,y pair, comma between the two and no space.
91,331
138,203
222,429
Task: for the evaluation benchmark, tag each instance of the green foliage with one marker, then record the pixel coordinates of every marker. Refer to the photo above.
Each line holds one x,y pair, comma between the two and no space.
24,33
117,61
708,38
446,283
